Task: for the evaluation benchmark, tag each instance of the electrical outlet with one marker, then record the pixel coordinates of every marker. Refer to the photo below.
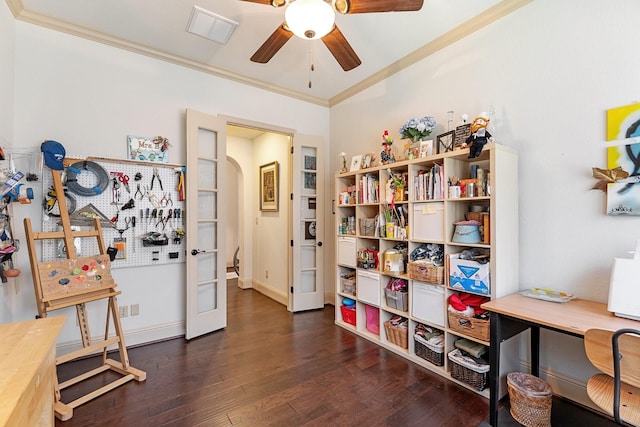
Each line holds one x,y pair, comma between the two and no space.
124,310
266,274
135,309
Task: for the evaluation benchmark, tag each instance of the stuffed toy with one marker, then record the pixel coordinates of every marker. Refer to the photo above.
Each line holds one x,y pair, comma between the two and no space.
387,156
479,136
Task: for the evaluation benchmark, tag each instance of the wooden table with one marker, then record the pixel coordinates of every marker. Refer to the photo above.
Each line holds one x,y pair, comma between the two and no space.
515,313
28,366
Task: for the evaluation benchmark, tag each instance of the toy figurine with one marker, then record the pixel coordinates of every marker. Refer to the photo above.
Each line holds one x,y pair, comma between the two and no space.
386,156
479,136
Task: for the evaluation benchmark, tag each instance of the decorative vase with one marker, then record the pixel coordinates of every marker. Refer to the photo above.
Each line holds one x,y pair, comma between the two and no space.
398,194
391,230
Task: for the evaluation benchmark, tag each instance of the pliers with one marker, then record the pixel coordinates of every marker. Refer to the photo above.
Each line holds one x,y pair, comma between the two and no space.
139,191
156,175
166,199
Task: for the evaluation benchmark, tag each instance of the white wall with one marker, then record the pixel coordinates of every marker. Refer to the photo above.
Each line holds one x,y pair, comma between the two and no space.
241,151
551,70
7,42
90,97
232,206
271,230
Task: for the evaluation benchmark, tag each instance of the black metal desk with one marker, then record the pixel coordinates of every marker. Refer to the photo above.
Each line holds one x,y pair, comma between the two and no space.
515,313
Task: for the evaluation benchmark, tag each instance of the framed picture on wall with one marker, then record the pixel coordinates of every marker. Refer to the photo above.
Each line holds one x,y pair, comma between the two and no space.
269,187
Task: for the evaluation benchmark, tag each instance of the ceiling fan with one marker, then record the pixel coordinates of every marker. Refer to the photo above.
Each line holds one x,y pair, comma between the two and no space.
315,19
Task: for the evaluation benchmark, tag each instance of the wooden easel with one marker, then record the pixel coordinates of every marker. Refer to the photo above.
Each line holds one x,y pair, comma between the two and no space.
75,282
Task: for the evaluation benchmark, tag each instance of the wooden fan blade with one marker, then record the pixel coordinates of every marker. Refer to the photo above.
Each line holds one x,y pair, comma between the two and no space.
371,6
272,45
260,1
341,49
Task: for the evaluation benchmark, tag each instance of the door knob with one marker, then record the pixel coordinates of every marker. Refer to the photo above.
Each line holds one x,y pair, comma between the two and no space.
195,252
319,243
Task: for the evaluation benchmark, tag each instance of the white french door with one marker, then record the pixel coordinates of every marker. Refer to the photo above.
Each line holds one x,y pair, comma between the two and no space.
206,224
307,290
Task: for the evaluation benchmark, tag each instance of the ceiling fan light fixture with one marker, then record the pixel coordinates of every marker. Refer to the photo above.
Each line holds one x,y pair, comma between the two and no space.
310,19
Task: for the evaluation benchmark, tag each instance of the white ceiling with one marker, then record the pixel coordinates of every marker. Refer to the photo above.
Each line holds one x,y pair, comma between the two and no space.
385,42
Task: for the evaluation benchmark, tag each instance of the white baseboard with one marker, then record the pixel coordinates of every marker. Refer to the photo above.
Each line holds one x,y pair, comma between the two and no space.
244,283
132,337
564,386
268,291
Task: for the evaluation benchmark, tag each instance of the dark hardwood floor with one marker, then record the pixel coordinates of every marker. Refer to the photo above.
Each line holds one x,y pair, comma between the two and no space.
271,367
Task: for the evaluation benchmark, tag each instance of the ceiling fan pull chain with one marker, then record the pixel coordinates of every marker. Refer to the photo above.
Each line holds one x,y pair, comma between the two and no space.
311,66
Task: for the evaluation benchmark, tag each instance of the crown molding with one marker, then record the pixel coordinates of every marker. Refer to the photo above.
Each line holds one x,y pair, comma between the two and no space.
485,18
41,20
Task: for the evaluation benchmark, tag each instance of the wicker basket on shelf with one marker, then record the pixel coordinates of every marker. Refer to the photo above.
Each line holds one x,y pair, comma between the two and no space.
429,352
426,273
475,376
470,326
395,335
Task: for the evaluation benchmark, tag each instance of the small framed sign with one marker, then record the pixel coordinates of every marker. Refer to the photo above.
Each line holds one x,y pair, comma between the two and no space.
148,149
461,135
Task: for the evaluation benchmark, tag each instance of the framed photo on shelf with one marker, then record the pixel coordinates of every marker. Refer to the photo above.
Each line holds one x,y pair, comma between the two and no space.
425,148
269,187
366,163
445,141
356,161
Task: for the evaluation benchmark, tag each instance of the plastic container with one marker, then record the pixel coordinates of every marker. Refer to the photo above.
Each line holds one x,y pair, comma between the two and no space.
373,319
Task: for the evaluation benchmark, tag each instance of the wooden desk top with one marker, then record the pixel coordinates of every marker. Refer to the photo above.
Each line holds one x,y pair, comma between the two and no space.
577,316
24,347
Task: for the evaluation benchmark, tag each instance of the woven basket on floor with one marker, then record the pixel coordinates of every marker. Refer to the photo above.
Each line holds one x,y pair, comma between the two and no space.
530,399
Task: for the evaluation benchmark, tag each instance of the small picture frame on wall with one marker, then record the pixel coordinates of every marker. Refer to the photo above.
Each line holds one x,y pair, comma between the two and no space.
269,187
148,149
445,141
356,161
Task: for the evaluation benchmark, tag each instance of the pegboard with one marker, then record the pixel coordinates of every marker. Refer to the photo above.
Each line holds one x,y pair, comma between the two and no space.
136,252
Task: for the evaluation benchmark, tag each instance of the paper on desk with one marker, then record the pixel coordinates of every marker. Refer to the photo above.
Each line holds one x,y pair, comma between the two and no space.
547,295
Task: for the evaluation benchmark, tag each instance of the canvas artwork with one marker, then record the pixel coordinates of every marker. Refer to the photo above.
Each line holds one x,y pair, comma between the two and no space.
623,122
623,197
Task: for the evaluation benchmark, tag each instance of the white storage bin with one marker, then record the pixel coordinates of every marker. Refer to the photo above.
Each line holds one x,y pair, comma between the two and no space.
369,287
428,221
347,251
427,303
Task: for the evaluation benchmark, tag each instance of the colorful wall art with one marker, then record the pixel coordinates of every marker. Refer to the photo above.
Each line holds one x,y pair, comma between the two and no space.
623,122
623,197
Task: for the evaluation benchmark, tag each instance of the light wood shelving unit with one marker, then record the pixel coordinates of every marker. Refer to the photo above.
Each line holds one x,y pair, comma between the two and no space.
500,163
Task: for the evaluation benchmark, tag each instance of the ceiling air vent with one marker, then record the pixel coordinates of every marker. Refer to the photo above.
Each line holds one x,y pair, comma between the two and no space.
211,26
